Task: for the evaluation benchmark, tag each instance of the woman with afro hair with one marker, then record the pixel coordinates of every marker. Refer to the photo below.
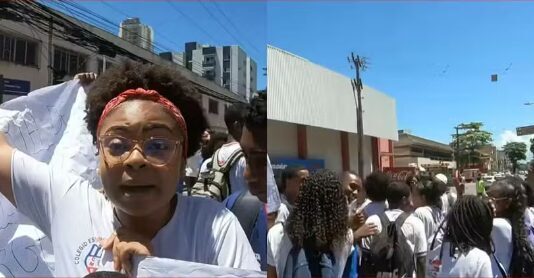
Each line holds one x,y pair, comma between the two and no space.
145,123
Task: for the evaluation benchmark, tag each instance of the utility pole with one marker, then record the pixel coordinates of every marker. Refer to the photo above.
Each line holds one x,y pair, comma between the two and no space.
357,86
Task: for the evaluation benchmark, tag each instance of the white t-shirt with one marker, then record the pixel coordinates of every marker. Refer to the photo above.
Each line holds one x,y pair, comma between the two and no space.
501,235
446,199
476,263
373,208
529,222
431,218
279,246
237,172
76,216
283,214
413,230
193,165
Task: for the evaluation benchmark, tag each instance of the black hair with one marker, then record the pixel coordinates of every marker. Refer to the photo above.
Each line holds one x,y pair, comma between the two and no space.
210,148
289,173
256,120
319,219
376,185
529,191
431,189
469,224
396,192
133,75
523,253
235,113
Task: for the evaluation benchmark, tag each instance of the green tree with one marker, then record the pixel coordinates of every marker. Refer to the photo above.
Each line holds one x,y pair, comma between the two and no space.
471,137
515,151
532,145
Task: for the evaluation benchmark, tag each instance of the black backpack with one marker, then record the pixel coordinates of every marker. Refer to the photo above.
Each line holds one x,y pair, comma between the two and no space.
389,254
303,263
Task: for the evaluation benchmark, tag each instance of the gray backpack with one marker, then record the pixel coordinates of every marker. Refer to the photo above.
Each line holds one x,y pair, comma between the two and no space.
215,183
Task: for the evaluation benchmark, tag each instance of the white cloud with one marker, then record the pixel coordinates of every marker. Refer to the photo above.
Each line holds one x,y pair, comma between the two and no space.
511,136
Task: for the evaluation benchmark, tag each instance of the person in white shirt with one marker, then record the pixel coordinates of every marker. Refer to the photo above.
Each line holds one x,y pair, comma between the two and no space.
467,247
376,185
145,122
448,198
427,201
292,179
512,247
194,162
318,223
399,201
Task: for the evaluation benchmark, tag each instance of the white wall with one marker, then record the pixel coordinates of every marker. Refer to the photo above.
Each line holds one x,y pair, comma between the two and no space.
325,144
282,139
216,121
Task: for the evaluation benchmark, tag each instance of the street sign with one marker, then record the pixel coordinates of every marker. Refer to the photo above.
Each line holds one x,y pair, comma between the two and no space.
525,130
16,87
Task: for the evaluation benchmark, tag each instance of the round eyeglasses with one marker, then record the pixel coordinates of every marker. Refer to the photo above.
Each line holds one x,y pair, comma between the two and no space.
156,150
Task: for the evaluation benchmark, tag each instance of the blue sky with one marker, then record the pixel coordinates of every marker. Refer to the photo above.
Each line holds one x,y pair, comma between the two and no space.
435,59
173,30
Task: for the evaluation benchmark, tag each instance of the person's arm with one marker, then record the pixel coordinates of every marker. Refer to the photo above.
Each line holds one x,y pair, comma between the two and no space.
271,272
6,153
420,266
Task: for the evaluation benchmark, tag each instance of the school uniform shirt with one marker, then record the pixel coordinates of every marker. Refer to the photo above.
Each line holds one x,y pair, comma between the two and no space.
237,172
283,214
475,263
279,246
501,235
76,216
372,208
529,223
193,165
448,199
431,218
413,230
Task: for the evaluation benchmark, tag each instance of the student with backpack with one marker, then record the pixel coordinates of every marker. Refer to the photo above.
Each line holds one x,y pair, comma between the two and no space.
467,248
224,175
316,240
399,248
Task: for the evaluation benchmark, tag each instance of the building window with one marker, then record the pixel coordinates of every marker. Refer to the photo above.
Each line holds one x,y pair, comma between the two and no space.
101,66
68,62
213,106
209,74
18,51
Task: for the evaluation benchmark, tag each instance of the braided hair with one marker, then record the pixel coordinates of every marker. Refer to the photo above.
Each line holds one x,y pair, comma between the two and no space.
469,224
319,220
523,253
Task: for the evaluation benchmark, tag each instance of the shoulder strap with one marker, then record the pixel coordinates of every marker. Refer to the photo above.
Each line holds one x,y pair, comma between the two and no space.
436,234
230,201
384,220
247,209
401,219
501,268
225,167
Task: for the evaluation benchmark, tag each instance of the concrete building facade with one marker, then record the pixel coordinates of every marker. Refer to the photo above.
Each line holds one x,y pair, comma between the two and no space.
312,119
133,31
413,150
228,66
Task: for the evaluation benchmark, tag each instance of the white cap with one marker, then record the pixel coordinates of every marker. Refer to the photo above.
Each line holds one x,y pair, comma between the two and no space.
273,196
442,178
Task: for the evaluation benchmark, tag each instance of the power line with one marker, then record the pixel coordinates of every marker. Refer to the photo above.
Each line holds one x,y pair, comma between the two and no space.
192,21
220,23
232,24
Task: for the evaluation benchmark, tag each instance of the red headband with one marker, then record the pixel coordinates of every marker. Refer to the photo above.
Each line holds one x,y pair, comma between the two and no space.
151,95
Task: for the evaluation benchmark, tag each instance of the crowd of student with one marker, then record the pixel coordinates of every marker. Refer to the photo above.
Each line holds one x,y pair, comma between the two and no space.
343,226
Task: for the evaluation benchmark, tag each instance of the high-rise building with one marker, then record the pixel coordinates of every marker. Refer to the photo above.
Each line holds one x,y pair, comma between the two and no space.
139,34
228,66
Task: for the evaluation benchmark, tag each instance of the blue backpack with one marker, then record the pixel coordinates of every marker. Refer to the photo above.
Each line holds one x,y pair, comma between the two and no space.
303,263
250,212
351,267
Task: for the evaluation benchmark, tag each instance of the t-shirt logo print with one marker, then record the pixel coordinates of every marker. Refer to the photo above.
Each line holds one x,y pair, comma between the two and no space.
92,260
